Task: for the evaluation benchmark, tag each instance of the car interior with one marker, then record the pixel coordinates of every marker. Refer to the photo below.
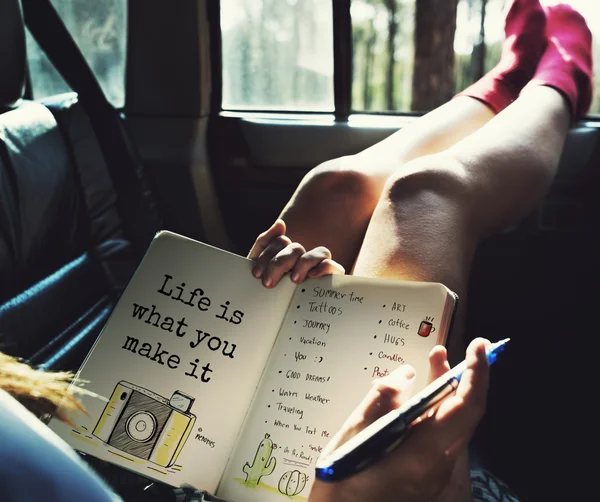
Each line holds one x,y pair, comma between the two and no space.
126,117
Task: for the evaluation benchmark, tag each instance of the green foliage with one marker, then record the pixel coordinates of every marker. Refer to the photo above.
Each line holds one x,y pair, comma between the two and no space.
262,53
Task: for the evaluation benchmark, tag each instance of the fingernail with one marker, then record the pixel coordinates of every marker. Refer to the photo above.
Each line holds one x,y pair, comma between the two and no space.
482,355
296,277
256,272
268,282
408,371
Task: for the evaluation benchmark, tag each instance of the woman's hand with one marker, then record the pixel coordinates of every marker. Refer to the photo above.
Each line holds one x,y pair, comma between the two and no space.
422,466
274,254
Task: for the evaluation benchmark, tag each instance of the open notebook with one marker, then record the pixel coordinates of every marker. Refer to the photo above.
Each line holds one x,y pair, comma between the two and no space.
210,379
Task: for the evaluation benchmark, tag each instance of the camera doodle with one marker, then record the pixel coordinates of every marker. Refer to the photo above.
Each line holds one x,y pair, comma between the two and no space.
143,424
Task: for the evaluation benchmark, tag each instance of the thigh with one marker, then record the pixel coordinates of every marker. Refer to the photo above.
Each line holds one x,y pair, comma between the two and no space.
422,230
422,226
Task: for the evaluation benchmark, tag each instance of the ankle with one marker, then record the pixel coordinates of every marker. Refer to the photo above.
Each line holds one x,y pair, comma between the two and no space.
525,42
566,64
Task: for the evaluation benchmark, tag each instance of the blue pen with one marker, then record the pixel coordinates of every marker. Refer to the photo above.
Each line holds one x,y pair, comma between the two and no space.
385,434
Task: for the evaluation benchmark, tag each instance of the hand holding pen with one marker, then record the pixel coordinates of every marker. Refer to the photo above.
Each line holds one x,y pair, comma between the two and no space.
423,465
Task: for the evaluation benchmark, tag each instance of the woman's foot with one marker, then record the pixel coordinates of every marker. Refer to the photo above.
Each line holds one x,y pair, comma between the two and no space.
567,62
525,42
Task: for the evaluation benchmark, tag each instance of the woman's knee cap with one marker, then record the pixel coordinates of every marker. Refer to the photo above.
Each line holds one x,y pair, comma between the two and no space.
438,174
338,178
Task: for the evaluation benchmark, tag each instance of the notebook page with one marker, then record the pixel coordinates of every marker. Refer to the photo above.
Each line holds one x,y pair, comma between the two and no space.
339,334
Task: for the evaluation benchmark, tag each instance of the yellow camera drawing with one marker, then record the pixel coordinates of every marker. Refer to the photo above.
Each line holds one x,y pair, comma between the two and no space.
146,425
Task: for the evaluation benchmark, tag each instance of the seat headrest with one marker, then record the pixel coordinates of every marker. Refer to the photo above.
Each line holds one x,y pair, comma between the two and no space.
13,59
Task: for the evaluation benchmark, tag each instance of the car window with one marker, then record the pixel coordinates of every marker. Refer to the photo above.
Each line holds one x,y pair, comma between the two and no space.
278,54
100,31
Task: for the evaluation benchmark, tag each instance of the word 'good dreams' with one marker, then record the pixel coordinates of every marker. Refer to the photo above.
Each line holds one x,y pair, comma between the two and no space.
194,299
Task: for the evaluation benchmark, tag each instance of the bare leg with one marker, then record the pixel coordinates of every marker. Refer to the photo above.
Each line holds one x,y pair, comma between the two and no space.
433,214
435,210
333,204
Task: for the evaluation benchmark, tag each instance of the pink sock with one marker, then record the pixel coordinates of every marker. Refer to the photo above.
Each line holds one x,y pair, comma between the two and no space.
525,41
567,63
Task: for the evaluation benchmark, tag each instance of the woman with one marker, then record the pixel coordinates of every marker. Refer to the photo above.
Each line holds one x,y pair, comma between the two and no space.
416,205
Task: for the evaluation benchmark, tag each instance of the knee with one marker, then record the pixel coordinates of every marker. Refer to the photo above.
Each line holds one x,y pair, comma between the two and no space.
342,180
434,182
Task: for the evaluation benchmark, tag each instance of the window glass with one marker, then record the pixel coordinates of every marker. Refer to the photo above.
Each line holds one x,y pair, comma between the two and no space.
45,80
277,54
591,11
383,54
99,29
478,39
384,50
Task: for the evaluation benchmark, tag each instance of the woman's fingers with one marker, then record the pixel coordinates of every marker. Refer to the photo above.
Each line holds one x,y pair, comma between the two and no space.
315,263
282,256
452,425
308,261
284,261
438,362
263,261
326,267
385,394
274,254
471,394
277,229
388,393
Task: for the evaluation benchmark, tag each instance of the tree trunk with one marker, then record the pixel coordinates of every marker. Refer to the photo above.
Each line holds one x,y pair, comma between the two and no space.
478,57
390,84
433,76
298,15
369,60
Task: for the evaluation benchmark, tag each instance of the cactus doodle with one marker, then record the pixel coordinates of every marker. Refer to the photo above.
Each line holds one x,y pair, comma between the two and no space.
262,465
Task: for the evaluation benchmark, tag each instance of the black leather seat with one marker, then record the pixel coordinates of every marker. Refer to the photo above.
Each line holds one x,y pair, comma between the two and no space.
64,254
